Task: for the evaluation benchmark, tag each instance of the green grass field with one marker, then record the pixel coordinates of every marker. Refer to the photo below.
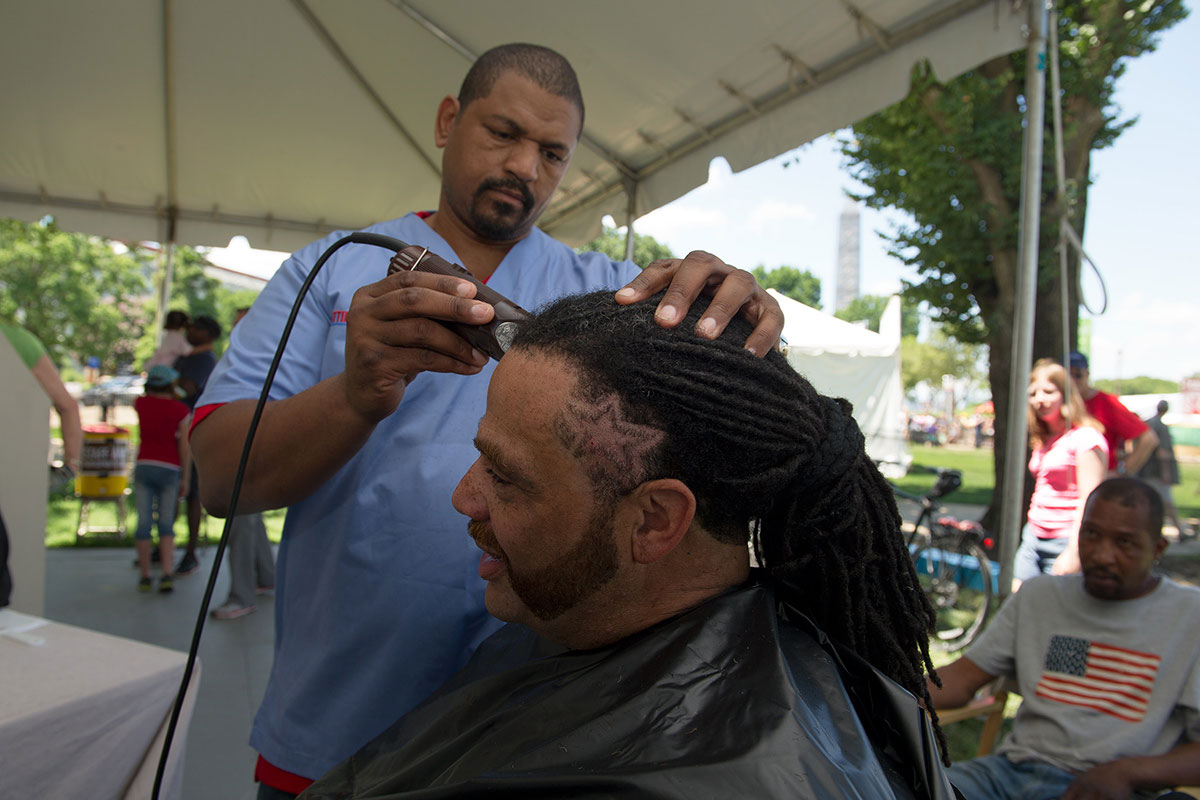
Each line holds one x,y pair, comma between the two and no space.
978,479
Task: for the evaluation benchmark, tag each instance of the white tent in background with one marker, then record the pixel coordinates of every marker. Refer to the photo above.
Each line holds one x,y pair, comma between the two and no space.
847,360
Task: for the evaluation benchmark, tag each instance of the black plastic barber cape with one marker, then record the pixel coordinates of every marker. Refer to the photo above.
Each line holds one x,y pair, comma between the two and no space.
740,697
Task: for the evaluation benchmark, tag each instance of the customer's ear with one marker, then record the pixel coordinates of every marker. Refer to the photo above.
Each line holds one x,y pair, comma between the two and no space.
661,512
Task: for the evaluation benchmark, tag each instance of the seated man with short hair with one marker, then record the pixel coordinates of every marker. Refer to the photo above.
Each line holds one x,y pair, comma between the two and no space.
1108,664
623,469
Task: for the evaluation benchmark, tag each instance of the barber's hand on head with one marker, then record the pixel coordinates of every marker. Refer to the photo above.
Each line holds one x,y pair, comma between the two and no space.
733,291
391,336
1109,781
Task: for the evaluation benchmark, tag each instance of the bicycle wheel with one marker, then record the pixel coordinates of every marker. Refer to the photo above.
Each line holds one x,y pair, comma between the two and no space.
956,575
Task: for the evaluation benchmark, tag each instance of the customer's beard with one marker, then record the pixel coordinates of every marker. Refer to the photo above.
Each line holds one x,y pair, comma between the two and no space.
549,592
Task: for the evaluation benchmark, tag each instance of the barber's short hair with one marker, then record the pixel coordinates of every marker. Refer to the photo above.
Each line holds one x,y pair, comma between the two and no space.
548,69
768,457
1131,493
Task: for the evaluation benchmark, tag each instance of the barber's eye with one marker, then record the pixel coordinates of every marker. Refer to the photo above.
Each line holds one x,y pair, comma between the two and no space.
495,478
552,156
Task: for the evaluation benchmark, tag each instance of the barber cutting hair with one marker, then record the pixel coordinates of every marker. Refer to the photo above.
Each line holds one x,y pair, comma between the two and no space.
374,407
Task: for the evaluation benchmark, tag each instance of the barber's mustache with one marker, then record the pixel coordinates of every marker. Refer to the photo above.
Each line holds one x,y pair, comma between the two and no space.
509,183
481,532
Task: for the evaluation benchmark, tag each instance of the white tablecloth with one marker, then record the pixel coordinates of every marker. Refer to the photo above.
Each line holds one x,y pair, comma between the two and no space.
84,714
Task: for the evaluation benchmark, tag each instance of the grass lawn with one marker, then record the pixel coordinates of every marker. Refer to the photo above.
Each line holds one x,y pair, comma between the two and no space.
978,480
62,514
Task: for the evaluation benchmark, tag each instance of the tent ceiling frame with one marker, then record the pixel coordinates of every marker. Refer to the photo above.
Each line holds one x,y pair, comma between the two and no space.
347,63
589,141
771,99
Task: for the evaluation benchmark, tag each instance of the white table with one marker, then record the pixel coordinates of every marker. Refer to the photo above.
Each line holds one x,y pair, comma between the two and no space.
84,714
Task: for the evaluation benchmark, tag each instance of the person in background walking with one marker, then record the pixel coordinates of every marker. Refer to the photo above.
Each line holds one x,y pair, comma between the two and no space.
251,563
162,471
33,355
1068,461
174,342
194,369
1161,470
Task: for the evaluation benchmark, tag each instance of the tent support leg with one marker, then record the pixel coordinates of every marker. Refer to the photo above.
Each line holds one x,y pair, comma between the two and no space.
1027,260
630,215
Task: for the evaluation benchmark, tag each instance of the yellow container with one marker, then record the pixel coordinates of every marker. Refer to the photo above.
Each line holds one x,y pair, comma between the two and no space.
102,466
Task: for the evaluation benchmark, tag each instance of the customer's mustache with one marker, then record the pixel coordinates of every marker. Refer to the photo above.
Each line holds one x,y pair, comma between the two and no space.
481,532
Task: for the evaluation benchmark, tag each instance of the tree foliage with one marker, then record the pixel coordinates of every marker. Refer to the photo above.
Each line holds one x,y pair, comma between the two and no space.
869,308
83,298
1139,385
611,242
797,284
927,361
74,292
949,155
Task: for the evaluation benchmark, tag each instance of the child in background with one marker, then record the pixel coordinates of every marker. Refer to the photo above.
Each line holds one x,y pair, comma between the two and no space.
174,343
163,464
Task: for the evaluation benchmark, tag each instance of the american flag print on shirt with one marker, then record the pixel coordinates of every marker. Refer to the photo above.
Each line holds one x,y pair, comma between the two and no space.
1113,680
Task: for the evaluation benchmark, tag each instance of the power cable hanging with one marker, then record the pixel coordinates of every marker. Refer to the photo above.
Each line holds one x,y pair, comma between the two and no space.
1068,237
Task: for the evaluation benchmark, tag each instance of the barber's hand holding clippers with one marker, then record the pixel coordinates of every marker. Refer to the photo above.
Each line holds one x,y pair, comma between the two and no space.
733,291
392,333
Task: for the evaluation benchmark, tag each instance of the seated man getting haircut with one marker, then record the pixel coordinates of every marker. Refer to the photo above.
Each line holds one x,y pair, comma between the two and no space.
1108,664
623,469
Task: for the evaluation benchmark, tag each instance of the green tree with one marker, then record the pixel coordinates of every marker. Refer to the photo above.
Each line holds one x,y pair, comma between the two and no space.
1139,385
611,242
797,284
192,290
74,292
869,308
927,361
949,155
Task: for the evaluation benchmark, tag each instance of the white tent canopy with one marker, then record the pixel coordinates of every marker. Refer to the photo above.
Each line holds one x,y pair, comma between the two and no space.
846,360
196,120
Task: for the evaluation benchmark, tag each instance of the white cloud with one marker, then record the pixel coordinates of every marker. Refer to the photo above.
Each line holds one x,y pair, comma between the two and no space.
668,222
771,212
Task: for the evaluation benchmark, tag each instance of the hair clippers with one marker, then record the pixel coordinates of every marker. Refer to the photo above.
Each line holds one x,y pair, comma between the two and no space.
492,338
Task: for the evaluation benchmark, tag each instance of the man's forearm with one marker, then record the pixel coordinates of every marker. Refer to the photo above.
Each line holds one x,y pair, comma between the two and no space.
1144,447
300,443
1179,766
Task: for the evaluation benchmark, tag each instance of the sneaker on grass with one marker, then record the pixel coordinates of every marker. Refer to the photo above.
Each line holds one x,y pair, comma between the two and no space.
232,611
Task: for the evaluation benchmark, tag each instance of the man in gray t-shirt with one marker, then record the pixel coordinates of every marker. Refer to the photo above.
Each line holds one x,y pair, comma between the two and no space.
1108,664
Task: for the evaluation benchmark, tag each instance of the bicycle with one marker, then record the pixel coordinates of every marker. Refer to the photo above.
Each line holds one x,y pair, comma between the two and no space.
952,563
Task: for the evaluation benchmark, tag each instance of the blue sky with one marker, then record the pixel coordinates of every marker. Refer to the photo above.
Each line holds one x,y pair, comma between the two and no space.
1142,214
1140,231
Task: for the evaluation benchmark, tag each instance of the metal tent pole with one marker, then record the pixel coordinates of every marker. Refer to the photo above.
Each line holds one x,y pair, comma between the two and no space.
1060,193
630,215
1027,258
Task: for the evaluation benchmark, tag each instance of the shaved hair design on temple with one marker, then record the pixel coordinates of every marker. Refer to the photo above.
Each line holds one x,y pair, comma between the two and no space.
543,66
768,458
616,451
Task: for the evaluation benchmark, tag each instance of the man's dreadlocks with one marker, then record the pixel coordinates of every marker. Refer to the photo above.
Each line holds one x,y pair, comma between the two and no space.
766,456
